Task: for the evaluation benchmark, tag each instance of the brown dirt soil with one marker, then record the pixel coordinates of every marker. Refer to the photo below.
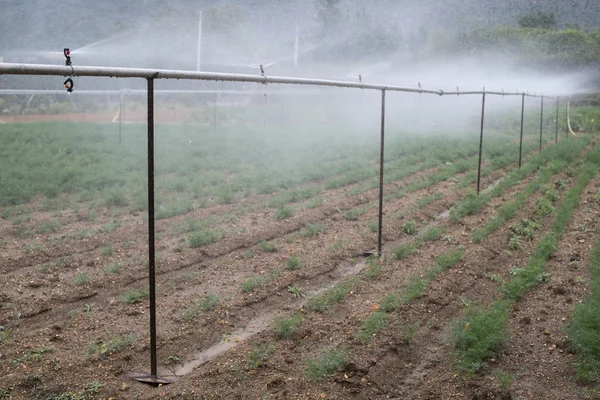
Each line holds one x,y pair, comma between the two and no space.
66,332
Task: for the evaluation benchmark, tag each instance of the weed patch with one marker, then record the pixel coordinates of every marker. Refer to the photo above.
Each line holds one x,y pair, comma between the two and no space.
293,263
102,349
208,303
81,279
252,284
285,327
372,324
404,251
259,355
323,301
267,247
204,238
410,227
113,268
332,361
133,296
284,213
312,230
434,234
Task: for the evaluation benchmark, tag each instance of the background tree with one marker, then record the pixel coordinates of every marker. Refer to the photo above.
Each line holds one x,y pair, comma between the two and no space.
539,19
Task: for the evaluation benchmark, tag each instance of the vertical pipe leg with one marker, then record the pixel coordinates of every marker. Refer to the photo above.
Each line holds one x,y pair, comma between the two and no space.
541,122
556,134
151,249
480,143
153,378
522,120
382,144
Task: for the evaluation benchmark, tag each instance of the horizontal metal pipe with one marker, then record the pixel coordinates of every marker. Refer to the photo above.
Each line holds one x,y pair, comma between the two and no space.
496,93
139,91
60,70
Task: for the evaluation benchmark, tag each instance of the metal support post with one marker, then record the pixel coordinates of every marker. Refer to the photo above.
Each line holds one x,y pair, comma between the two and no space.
151,244
382,147
480,143
153,378
556,134
541,122
522,120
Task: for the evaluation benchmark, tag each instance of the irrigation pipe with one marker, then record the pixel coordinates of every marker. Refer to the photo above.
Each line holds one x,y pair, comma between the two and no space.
73,71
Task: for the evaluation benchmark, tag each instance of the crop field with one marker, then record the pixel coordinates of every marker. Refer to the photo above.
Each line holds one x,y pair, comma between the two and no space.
263,287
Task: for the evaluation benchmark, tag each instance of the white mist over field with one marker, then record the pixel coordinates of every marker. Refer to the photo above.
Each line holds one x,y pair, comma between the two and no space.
414,44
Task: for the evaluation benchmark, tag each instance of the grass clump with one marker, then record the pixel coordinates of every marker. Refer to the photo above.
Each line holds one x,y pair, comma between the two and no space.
374,267
208,303
434,234
110,226
478,337
410,227
293,263
404,251
428,199
448,260
323,301
113,268
314,203
48,227
312,230
259,355
414,289
468,205
115,197
104,349
204,238
330,362
372,324
108,250
81,279
389,303
352,215
284,213
286,326
253,283
191,225
504,379
134,296
267,247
